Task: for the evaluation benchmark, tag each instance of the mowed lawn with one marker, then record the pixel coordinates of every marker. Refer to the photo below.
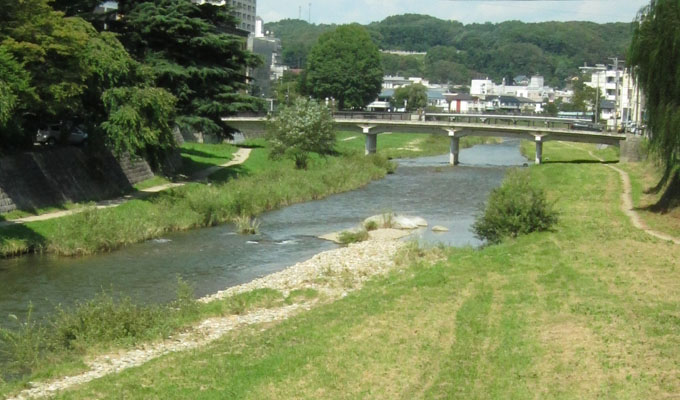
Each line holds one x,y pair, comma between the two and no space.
590,310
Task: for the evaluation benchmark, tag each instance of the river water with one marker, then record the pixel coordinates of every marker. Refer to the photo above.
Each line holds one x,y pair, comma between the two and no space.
215,258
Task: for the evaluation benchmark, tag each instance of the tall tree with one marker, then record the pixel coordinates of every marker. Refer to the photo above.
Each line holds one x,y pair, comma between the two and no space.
14,85
195,55
345,64
655,56
57,68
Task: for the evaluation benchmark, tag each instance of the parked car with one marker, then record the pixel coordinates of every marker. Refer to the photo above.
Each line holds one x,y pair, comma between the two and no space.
586,126
51,134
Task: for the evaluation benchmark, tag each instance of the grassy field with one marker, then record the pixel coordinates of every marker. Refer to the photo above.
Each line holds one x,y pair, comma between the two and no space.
590,310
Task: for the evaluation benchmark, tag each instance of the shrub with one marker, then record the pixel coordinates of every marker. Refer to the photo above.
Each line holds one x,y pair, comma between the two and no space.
300,129
247,225
515,208
353,236
371,225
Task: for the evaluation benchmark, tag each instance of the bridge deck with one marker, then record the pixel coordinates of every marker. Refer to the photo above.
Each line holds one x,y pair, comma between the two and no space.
451,128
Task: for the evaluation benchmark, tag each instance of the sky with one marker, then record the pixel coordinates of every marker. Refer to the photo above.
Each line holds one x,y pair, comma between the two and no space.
466,11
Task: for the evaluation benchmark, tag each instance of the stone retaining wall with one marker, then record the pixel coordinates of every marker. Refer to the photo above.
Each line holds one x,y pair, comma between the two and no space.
632,149
54,176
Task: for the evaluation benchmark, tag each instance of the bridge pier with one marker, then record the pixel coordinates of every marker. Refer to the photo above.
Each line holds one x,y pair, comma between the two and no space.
454,148
539,150
371,145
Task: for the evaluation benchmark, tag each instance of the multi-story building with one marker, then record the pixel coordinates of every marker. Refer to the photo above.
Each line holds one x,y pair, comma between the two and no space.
534,88
244,10
620,91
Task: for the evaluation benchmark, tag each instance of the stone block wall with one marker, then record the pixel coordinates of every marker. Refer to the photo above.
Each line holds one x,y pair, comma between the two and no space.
55,176
632,149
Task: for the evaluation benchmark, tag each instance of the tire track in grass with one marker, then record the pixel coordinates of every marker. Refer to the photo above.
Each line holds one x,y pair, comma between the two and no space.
460,371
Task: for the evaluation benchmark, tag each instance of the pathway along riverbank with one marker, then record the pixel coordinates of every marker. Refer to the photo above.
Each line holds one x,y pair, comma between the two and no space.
240,157
333,274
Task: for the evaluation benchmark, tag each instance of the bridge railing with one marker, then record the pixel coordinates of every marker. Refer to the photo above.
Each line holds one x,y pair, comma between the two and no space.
389,116
488,119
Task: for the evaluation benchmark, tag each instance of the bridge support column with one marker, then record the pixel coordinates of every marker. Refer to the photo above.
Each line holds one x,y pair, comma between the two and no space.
454,148
371,139
539,150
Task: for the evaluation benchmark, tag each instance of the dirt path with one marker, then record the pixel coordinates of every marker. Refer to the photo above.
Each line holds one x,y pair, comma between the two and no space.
333,273
239,158
627,205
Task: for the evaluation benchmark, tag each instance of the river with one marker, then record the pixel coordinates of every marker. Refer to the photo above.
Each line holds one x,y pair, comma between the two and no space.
215,258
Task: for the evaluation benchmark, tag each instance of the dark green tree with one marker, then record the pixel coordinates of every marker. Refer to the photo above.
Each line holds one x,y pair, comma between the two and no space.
60,69
655,56
14,86
413,96
403,65
195,54
345,64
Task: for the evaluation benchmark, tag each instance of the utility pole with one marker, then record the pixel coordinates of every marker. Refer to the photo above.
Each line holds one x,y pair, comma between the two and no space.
309,19
616,101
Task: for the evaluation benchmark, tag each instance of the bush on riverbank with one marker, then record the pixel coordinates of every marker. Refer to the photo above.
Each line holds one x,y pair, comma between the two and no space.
515,208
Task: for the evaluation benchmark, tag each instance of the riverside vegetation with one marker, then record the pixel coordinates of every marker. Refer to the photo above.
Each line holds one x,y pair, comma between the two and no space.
586,310
262,185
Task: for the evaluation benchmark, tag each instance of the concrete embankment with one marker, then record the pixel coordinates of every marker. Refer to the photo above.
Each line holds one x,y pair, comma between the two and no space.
56,176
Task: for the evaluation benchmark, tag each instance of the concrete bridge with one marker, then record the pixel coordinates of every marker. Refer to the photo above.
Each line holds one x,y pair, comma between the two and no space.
539,132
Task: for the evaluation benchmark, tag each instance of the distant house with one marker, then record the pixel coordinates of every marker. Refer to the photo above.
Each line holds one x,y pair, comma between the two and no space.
462,103
608,112
383,102
530,105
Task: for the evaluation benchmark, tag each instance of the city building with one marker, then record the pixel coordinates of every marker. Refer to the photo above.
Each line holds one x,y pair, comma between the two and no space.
269,48
623,104
533,88
244,10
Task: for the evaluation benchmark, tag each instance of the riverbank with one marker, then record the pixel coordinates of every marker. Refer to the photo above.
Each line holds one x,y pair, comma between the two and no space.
324,278
257,186
585,311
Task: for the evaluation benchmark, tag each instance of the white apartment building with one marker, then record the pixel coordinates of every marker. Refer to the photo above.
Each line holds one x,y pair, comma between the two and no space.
620,88
535,90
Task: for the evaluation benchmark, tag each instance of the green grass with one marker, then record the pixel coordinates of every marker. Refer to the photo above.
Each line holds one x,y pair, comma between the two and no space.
151,182
644,177
407,145
59,345
199,156
16,214
589,310
348,237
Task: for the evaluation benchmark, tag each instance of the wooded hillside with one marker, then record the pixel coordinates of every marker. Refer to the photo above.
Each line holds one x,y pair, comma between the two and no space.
457,52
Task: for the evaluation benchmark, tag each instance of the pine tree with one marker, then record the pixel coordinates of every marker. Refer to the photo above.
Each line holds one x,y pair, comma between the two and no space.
195,54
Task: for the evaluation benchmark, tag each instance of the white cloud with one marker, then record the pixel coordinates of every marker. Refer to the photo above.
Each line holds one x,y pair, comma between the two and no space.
346,11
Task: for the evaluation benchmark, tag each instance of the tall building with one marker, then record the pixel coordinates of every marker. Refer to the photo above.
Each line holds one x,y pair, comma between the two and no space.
244,10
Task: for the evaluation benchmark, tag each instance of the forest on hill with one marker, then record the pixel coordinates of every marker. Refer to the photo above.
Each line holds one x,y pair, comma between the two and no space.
457,52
